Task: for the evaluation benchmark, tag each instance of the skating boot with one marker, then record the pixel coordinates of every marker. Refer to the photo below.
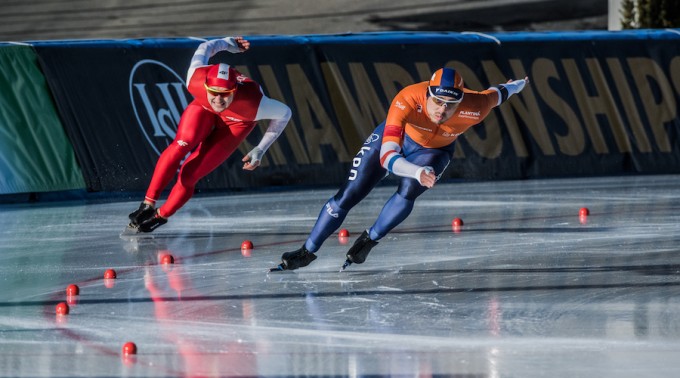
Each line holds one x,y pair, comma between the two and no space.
359,251
296,259
138,216
152,223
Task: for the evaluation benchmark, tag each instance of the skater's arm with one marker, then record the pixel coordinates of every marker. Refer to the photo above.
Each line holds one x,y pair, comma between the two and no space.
393,135
392,160
208,49
279,114
505,91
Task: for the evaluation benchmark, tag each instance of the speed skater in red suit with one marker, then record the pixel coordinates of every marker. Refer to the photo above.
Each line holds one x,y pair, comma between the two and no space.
225,109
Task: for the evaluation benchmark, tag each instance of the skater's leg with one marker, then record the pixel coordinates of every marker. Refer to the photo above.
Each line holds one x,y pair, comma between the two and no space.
365,174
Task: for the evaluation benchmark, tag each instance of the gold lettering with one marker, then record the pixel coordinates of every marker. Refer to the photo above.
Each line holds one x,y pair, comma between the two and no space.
393,78
358,111
309,109
424,71
607,105
589,106
628,103
290,132
658,112
526,107
573,142
675,73
245,146
244,70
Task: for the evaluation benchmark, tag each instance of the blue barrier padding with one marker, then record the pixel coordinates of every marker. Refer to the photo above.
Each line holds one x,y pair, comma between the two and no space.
387,37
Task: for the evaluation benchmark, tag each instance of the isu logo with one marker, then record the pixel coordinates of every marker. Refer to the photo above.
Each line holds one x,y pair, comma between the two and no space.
158,96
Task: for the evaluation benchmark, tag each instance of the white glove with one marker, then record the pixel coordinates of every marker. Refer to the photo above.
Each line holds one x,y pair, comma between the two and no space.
515,86
252,159
429,179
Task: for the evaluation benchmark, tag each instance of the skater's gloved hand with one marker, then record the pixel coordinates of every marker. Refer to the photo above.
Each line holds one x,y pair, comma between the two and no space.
242,43
426,176
515,86
252,159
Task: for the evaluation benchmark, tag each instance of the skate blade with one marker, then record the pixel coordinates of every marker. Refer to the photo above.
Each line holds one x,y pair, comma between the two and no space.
345,265
130,230
133,232
277,268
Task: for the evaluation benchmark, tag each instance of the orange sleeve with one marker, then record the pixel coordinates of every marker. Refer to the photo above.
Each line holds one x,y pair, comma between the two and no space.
492,97
402,105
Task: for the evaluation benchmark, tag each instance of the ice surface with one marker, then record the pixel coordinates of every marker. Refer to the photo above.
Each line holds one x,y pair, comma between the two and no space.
525,288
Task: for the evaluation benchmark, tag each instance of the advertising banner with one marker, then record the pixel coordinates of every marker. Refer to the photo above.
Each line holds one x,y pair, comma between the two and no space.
121,103
599,103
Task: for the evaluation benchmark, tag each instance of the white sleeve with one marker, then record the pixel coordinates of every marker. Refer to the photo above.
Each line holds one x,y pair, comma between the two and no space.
207,50
278,113
395,163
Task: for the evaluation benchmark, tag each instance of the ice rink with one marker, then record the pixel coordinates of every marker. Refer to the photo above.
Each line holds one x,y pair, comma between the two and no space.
526,288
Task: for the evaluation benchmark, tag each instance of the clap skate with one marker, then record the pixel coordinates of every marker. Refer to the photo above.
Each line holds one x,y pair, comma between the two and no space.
145,213
152,223
295,259
359,251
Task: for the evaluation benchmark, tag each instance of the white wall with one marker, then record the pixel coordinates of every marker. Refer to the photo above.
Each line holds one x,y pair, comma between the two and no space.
614,15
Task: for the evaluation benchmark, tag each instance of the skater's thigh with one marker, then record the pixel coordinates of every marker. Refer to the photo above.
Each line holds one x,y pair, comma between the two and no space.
436,158
365,172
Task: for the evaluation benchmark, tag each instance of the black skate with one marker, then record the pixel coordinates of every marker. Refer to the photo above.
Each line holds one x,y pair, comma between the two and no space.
359,251
296,259
152,223
144,212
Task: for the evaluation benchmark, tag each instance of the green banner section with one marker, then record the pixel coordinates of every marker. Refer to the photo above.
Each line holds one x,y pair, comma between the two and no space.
35,155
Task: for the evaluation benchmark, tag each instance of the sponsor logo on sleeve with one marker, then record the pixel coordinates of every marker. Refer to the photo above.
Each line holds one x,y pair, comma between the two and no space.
450,135
469,114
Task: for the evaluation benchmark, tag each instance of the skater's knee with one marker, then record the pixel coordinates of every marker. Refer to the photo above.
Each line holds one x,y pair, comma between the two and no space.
402,200
333,207
182,147
346,199
410,189
187,178
171,158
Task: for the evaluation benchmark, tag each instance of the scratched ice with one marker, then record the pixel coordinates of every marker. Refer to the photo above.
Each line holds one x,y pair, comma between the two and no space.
524,288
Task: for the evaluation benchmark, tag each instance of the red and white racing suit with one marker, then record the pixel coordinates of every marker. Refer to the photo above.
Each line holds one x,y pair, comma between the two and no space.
212,136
